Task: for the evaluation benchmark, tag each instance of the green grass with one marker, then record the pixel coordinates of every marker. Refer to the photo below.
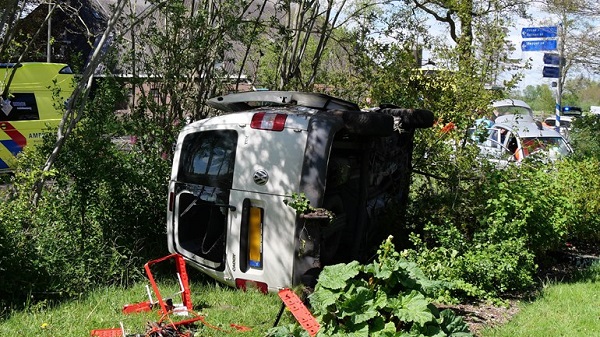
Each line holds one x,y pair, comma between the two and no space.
562,309
221,306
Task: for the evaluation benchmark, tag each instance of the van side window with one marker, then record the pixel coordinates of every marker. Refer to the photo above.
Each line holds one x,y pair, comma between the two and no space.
24,108
208,158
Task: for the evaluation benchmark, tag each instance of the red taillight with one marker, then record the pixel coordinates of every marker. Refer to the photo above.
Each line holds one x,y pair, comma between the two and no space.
268,121
249,284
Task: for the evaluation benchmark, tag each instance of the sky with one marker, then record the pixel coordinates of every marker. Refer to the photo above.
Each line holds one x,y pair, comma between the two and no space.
531,76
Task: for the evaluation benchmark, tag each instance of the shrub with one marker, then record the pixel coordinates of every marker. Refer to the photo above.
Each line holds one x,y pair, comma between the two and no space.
383,298
585,137
101,216
486,234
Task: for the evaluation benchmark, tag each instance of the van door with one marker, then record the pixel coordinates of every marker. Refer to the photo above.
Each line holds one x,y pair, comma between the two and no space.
201,193
227,214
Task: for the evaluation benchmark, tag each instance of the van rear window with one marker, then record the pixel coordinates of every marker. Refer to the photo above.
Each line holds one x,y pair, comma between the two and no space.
208,158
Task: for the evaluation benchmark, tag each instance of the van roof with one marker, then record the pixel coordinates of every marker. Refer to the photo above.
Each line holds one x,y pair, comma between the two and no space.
510,102
36,76
63,68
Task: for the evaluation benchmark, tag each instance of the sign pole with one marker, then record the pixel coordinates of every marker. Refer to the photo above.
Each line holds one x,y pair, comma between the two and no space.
561,48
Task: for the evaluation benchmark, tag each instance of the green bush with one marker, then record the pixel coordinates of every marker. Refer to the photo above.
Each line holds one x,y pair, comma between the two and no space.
486,234
585,137
100,218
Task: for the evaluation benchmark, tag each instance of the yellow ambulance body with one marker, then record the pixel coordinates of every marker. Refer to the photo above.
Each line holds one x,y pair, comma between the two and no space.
31,108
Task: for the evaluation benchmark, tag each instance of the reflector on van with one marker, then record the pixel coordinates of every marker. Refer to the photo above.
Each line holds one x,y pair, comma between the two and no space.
268,121
255,238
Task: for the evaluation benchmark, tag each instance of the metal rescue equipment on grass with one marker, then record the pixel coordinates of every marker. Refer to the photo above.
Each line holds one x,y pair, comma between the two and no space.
166,327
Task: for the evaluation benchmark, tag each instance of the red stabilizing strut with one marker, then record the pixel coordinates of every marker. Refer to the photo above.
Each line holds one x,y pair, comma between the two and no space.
180,264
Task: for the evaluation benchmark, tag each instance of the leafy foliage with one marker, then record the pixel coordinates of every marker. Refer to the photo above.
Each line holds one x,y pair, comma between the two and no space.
101,216
388,297
585,137
493,246
299,202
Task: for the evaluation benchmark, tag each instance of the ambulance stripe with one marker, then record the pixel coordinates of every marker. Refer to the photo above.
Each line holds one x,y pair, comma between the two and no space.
13,133
5,154
12,146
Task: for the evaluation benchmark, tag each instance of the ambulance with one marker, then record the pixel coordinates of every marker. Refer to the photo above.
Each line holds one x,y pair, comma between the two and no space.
31,106
236,175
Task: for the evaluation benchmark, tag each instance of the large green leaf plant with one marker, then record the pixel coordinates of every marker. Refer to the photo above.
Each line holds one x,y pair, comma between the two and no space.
388,297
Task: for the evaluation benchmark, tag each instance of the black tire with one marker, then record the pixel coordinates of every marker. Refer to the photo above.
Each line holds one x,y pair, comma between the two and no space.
367,123
411,118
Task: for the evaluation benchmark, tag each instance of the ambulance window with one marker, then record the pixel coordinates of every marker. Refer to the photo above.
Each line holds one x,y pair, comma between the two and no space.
19,107
208,158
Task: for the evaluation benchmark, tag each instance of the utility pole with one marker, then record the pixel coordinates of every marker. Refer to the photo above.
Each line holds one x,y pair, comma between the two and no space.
48,49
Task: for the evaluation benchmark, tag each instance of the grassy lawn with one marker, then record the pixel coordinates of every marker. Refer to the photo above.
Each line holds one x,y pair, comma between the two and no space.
562,309
221,306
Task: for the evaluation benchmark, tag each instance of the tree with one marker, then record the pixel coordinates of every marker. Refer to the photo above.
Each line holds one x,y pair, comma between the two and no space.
9,12
304,21
539,97
180,57
466,19
307,43
76,103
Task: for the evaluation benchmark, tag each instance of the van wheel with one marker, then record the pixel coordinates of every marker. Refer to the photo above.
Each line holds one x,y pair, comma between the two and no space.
411,118
367,123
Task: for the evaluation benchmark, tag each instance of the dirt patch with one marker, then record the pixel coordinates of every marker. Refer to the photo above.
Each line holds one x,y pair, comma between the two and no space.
481,315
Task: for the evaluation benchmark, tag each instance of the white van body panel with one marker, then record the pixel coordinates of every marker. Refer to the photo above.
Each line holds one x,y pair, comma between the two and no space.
278,237
273,152
269,151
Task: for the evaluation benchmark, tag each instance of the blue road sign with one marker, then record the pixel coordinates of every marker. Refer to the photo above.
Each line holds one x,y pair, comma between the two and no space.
551,58
553,72
538,45
532,32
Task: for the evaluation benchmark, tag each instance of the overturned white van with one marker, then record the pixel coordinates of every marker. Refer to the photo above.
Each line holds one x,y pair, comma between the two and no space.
232,174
